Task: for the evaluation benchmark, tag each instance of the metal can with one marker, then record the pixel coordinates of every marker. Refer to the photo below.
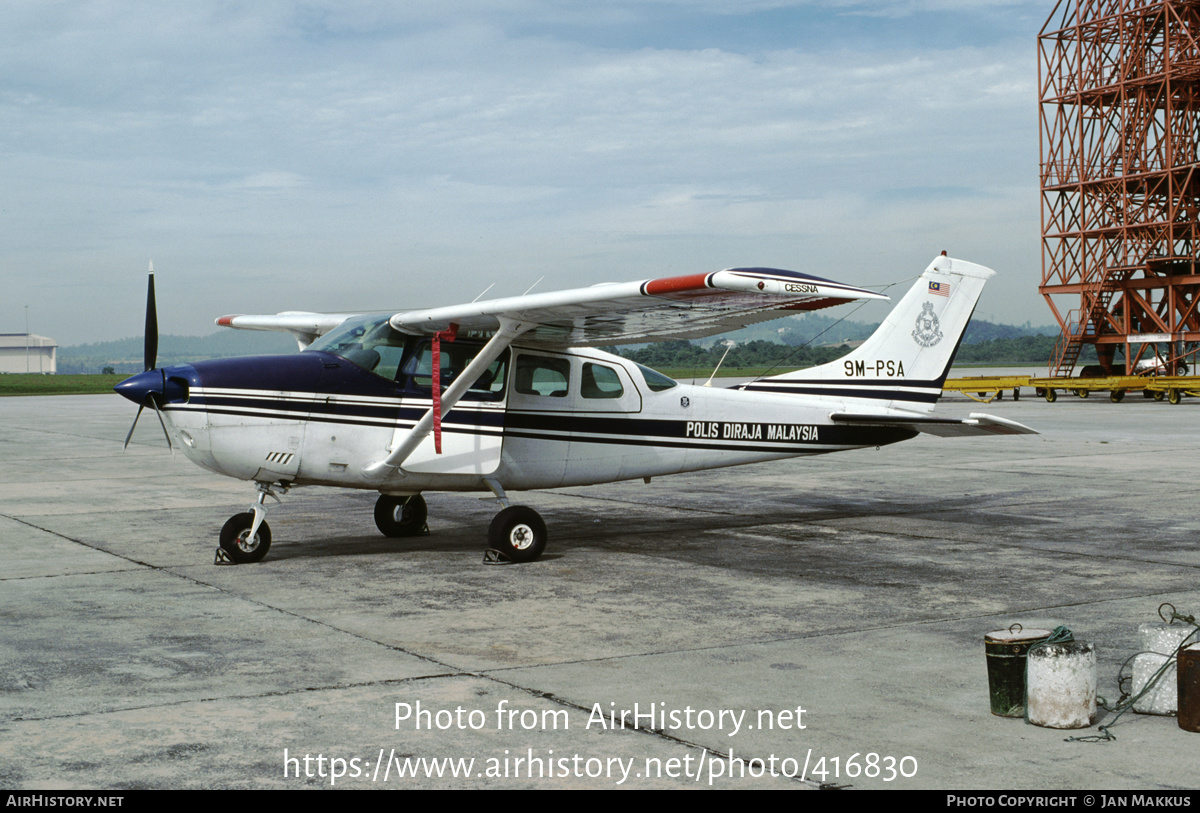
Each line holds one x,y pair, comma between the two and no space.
1188,676
1006,652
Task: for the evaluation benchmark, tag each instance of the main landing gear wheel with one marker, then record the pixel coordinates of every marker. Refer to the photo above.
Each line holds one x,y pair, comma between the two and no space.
237,543
519,533
401,516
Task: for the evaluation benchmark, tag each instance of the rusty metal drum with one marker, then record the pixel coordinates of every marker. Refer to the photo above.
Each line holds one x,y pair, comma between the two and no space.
1006,652
1188,677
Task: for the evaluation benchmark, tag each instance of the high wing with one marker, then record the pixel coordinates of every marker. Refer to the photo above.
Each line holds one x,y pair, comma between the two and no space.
682,307
304,326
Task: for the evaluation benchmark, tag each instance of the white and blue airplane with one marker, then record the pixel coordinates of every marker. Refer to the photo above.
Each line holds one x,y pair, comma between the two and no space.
508,395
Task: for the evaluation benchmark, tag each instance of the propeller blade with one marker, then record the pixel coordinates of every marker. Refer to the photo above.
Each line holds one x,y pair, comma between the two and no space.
135,420
163,423
151,325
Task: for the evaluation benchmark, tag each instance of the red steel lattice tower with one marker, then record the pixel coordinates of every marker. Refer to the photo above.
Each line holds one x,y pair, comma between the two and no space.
1120,122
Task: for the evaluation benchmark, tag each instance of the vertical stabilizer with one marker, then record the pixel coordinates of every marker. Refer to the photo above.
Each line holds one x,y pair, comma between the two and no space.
904,363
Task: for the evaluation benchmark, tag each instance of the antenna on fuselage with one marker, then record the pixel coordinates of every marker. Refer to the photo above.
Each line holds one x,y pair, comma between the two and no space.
728,346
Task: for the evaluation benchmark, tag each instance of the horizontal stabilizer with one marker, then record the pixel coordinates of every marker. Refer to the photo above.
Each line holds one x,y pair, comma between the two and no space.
976,424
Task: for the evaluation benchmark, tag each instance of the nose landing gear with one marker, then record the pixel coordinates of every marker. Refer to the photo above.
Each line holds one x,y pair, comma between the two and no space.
246,537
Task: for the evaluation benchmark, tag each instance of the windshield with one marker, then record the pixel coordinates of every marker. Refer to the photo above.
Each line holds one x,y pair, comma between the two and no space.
368,341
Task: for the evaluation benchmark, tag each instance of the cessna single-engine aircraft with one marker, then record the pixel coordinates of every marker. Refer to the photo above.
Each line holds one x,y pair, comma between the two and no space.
507,395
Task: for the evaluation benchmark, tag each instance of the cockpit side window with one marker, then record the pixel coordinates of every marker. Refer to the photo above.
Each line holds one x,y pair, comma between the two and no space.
417,370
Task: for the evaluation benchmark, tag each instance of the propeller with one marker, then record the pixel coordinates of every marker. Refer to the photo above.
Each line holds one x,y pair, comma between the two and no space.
144,385
151,355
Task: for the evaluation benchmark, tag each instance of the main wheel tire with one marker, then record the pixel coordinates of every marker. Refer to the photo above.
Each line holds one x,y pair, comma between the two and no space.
519,533
400,516
236,541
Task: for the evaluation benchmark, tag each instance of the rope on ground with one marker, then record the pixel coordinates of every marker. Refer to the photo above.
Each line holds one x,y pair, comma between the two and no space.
1125,681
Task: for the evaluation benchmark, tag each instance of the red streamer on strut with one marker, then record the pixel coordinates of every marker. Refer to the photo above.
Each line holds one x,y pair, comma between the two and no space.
449,336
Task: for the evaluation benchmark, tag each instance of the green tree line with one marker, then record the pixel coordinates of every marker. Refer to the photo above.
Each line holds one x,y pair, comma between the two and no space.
763,354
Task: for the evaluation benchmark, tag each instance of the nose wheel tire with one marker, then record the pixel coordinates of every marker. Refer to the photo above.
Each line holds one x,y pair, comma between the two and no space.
239,545
401,516
519,533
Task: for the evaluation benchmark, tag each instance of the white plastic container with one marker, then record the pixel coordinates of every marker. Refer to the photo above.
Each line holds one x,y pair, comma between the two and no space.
1157,643
1061,685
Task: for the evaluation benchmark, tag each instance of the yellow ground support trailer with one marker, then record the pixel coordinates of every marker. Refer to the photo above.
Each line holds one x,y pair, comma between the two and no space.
989,388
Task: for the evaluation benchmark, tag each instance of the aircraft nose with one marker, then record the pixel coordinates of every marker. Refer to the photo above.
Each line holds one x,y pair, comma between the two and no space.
165,388
139,387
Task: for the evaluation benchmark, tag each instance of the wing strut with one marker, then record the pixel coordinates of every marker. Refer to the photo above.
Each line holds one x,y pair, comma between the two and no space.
506,335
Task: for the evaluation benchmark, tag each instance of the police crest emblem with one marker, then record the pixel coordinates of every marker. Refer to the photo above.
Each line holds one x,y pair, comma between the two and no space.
928,331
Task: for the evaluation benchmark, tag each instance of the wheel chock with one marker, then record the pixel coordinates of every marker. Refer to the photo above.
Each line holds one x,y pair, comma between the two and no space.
222,557
491,556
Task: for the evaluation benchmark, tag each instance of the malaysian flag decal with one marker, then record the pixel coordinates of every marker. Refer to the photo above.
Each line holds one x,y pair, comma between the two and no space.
939,288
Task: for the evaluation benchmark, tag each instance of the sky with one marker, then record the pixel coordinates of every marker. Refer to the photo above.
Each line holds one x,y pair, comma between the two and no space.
384,155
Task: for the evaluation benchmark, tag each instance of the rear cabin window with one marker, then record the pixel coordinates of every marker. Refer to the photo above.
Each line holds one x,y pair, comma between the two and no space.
656,381
542,375
599,381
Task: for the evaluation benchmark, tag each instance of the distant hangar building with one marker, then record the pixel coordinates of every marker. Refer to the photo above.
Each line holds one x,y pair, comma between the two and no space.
28,352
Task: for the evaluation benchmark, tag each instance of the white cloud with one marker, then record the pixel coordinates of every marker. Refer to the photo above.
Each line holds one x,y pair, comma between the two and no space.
272,146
